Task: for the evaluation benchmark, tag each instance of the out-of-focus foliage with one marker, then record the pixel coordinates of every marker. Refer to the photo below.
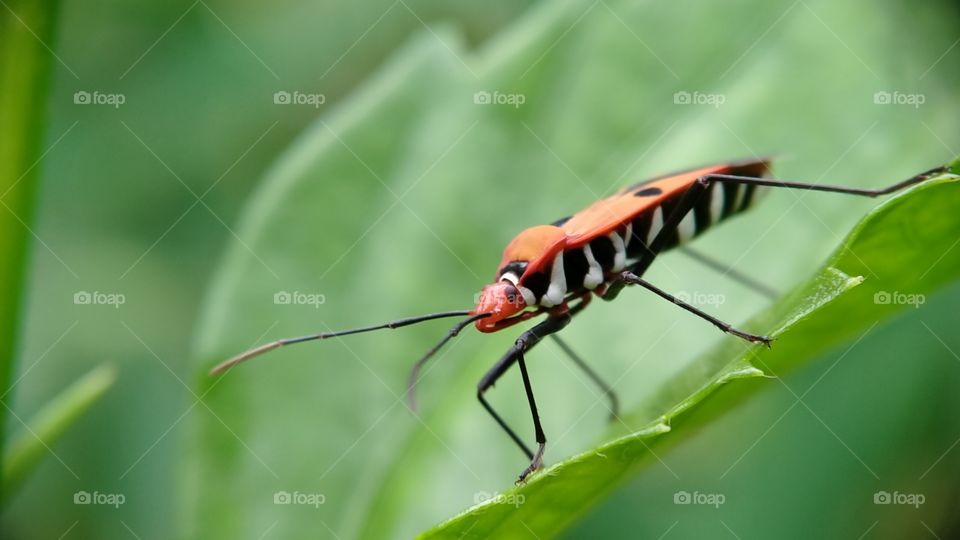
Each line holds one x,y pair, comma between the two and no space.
111,216
118,207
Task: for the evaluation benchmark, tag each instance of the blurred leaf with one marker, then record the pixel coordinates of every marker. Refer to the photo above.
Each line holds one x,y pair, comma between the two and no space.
818,315
400,199
25,30
32,444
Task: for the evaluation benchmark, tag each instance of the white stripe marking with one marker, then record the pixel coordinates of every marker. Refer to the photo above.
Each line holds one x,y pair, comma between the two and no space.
628,234
619,252
655,225
741,191
528,297
594,275
716,202
558,284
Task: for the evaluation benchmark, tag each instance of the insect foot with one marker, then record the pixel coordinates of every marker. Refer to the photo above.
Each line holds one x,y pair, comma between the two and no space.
535,464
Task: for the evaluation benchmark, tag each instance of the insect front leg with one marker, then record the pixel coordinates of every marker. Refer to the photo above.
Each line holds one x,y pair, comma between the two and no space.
524,343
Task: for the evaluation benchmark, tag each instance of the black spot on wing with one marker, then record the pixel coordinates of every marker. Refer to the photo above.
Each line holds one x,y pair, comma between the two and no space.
647,192
561,221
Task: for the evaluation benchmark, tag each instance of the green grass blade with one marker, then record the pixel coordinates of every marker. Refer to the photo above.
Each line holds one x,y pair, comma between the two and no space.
25,30
33,443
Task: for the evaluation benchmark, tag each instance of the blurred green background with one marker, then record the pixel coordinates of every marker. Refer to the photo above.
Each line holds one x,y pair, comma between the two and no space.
200,197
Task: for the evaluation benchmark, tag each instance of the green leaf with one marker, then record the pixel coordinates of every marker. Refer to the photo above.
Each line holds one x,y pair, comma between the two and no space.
328,418
25,28
830,309
33,443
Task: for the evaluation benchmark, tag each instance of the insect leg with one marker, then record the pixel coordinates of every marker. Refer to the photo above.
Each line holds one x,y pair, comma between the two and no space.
866,192
694,192
594,376
732,273
632,279
689,200
541,438
525,342
607,389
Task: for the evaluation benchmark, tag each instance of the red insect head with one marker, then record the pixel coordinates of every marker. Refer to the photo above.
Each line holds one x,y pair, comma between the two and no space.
502,300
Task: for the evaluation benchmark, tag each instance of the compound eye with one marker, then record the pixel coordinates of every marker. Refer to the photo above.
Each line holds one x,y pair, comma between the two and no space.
513,296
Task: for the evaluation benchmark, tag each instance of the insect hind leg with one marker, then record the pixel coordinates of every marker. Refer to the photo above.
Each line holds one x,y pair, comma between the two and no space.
807,186
607,389
629,278
694,193
728,271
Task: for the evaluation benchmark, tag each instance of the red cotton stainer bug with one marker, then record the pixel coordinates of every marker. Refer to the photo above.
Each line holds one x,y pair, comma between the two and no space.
554,270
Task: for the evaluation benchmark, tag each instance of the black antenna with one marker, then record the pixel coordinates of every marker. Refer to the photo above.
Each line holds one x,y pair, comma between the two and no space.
227,364
415,372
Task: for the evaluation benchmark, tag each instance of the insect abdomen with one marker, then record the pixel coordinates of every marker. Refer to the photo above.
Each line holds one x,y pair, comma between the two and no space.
589,265
719,202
